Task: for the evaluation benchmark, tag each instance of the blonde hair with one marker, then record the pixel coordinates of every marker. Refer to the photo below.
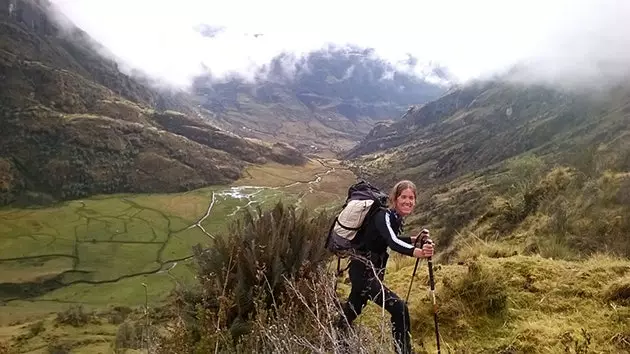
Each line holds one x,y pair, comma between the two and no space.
397,190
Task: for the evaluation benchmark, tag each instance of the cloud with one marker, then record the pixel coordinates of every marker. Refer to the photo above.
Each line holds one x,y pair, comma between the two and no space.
573,41
589,50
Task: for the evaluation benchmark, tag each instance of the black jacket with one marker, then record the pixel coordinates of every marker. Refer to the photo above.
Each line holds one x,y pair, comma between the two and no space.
384,230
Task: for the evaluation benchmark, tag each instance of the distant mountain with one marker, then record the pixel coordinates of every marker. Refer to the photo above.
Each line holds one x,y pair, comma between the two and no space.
73,125
331,97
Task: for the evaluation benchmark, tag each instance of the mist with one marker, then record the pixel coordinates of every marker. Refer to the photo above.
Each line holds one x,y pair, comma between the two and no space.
580,43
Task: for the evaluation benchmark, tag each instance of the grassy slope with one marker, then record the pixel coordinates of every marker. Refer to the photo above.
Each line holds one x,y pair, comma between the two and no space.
516,304
546,214
75,126
116,236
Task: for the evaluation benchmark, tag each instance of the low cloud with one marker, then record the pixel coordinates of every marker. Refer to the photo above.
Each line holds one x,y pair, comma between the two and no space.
580,43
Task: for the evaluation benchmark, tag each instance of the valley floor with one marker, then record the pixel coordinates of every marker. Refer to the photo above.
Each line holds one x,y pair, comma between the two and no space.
113,253
122,250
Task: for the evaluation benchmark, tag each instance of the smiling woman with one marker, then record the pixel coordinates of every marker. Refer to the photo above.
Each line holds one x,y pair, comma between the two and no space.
367,267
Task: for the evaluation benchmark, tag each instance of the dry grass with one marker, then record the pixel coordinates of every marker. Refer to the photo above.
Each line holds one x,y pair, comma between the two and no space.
22,338
618,291
517,304
189,206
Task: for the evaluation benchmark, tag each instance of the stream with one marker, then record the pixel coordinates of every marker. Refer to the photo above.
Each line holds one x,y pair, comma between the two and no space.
239,192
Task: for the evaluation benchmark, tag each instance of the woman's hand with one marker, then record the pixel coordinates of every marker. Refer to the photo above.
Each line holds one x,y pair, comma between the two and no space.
425,252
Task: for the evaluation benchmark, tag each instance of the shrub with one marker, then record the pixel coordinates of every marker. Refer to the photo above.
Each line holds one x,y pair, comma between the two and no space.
131,335
265,288
74,316
119,314
59,348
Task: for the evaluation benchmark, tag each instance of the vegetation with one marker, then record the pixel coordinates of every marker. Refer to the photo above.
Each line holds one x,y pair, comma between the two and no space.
526,191
251,272
74,126
108,229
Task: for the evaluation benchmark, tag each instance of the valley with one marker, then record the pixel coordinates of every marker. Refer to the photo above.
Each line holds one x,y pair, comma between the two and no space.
110,184
102,251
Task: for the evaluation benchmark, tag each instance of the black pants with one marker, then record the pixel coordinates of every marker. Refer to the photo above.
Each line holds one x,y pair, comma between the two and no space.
366,286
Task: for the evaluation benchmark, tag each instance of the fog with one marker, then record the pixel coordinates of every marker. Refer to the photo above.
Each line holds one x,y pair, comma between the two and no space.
580,43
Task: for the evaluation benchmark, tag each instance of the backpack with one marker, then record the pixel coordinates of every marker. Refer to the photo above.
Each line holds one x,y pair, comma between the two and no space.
362,202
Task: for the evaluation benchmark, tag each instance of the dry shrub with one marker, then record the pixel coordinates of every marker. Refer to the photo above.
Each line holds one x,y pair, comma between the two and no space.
119,314
265,288
75,316
59,347
132,335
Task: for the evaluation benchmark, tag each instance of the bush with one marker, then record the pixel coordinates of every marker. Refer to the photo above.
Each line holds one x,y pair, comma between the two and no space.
119,314
131,335
265,288
59,348
74,316
248,269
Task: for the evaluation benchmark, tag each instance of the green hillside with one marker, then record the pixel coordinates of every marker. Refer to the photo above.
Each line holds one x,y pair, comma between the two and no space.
74,126
137,220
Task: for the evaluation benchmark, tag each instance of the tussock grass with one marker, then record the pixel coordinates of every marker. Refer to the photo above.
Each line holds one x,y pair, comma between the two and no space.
517,304
618,291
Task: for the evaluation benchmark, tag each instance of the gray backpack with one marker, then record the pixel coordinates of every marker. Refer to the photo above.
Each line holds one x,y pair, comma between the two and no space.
362,202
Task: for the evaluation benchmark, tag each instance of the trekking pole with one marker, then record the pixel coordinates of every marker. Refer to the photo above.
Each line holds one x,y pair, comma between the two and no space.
413,275
415,268
435,316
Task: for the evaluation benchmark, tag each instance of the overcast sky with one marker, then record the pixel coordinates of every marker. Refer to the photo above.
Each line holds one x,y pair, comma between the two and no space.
471,38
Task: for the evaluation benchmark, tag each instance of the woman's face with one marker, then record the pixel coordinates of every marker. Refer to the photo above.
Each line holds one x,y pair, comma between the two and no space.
405,202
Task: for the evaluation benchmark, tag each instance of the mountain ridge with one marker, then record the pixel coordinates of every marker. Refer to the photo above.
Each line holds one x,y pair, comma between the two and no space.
74,125
464,127
336,94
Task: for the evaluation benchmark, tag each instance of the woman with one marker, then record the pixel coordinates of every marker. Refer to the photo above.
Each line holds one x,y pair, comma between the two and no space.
367,270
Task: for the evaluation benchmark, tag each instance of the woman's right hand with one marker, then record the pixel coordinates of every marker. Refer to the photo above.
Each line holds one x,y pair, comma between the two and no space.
425,252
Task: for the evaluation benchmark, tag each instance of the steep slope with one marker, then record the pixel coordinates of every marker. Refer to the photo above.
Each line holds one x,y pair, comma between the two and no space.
543,170
73,125
485,123
330,97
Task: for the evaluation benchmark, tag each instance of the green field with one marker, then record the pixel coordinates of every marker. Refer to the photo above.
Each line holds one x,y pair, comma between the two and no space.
102,251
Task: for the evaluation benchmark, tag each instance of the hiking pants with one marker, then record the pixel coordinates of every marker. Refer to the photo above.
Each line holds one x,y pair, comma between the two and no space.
365,286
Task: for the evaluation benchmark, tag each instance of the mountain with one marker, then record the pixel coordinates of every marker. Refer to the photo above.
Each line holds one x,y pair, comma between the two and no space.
74,125
544,169
328,98
485,123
